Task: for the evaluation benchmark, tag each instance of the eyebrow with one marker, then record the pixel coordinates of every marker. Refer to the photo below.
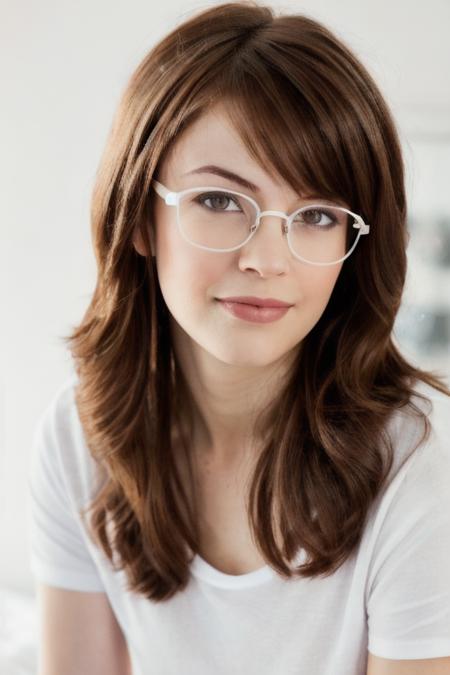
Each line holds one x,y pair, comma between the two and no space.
235,178
225,173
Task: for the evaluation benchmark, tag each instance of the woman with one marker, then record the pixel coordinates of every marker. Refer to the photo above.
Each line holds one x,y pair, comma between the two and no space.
245,475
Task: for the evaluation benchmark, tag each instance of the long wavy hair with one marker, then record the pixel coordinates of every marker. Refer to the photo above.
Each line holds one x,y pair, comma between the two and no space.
306,107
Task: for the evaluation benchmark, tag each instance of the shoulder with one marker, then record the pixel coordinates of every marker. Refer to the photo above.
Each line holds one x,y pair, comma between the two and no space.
408,541
416,488
421,440
433,453
438,408
430,472
58,413
61,481
59,451
416,491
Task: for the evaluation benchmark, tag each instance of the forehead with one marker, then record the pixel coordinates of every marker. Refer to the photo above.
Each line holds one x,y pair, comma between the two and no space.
212,139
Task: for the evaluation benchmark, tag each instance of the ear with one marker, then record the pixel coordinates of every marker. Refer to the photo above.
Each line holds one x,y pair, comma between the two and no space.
139,244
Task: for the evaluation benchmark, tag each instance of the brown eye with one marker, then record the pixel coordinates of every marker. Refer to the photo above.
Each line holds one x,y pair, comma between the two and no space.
322,218
312,216
217,201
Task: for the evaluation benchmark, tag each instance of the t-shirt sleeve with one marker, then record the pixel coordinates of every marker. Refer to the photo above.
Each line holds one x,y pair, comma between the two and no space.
59,555
408,603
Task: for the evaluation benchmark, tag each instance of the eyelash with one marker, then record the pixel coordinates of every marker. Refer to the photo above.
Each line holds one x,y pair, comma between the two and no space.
225,195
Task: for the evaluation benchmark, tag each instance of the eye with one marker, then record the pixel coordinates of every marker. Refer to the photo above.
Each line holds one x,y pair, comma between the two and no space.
219,201
317,217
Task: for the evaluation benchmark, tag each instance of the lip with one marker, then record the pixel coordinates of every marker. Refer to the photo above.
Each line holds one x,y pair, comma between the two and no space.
254,313
256,302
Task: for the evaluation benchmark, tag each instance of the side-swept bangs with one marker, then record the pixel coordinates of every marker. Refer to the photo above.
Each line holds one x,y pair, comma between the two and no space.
308,112
305,110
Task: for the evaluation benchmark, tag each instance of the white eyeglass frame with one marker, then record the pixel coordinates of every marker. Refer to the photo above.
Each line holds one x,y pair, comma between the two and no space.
172,198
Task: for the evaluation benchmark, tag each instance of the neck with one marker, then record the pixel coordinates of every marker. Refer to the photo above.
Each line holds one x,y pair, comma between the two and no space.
224,400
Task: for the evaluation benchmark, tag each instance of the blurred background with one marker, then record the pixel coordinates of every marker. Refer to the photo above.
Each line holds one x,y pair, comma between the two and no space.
63,67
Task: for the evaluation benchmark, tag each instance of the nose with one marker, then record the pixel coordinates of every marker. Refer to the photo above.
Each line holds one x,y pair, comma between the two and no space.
267,251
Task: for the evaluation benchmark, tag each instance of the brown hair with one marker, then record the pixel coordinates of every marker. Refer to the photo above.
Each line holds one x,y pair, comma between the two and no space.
305,106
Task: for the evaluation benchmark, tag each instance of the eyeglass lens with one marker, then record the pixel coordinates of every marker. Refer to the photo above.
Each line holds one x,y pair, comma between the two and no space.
222,220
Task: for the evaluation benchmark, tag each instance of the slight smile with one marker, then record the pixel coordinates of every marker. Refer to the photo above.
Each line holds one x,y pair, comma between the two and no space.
254,313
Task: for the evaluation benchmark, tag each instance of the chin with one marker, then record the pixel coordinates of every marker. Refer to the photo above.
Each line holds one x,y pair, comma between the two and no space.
254,358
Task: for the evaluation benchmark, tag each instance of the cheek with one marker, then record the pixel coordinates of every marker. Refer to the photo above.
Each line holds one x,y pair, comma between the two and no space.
187,275
316,287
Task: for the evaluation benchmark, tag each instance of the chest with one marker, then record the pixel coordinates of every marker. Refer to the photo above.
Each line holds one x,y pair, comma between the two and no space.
225,537
220,494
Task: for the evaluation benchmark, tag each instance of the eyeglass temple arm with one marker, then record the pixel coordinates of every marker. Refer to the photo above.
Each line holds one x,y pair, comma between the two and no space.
365,229
359,224
169,197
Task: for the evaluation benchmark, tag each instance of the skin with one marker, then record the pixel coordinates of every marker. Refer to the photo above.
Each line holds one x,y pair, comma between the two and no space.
232,365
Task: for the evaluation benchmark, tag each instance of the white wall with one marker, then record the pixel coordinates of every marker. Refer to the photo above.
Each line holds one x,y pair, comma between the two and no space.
63,66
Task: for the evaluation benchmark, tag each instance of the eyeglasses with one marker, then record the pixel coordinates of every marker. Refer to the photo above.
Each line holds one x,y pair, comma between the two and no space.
218,219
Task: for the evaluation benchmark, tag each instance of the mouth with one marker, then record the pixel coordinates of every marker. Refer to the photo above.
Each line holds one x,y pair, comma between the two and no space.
253,313
256,302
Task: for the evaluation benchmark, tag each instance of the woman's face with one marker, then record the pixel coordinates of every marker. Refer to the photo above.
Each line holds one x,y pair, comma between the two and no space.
192,279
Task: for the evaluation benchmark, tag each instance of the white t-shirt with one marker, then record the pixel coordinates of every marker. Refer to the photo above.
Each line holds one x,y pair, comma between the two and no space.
392,596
